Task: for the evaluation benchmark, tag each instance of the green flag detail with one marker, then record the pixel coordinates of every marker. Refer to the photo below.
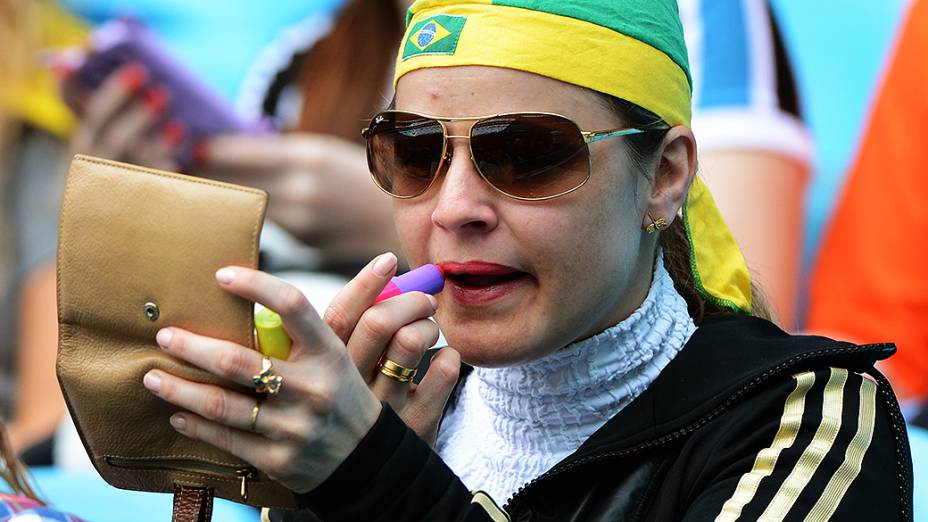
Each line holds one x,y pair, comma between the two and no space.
436,35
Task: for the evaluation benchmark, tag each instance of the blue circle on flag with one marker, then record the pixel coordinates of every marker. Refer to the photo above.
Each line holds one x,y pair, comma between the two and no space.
427,34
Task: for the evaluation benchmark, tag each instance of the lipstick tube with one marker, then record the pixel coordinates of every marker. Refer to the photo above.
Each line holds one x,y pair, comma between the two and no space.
427,278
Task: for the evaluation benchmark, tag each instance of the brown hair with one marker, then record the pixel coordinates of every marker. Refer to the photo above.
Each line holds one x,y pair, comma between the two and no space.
344,75
12,470
674,242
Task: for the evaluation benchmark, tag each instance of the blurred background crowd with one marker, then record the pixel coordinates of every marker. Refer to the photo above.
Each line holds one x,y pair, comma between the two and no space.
809,118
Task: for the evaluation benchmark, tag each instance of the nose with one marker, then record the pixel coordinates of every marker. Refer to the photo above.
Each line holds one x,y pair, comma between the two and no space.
465,202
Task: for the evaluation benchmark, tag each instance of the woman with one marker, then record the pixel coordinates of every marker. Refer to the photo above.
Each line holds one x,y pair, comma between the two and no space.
616,371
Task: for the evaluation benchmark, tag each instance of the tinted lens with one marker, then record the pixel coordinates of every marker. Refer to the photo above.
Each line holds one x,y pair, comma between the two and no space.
404,151
531,156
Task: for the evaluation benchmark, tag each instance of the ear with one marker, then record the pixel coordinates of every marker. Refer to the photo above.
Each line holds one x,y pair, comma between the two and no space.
673,175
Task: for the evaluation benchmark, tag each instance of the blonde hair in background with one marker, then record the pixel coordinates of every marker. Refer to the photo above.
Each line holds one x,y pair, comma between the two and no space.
18,24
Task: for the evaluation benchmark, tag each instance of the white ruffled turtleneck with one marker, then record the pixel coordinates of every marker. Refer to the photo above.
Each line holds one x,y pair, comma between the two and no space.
510,425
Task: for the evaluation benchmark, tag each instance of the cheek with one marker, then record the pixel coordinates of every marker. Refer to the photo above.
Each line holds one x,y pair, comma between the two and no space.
413,223
602,243
575,250
623,192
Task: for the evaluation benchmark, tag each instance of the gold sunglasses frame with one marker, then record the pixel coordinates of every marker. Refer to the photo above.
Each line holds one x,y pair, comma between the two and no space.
588,137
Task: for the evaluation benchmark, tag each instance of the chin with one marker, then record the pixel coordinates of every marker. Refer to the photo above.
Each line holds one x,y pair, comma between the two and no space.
492,346
485,356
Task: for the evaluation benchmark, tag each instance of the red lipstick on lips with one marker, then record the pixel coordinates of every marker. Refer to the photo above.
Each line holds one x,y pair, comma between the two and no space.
475,267
479,282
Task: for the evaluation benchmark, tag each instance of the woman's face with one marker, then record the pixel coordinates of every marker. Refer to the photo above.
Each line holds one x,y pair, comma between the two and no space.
524,278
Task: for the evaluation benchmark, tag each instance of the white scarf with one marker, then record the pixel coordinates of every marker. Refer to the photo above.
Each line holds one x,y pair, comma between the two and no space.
510,425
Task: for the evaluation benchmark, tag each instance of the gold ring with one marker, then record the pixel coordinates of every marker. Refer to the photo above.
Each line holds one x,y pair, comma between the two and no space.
254,415
395,371
266,381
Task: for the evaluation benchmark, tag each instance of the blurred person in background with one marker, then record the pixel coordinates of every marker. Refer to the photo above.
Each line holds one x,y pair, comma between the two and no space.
319,84
754,149
317,174
34,125
870,281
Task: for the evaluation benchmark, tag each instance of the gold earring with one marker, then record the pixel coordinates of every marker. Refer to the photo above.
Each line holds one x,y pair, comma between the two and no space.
657,224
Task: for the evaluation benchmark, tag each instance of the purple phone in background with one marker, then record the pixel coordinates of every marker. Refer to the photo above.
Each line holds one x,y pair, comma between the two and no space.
191,102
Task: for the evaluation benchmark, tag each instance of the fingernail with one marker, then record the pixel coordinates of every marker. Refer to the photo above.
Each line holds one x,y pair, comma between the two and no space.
63,71
225,275
132,77
164,337
156,99
433,301
384,264
200,152
152,382
173,132
63,63
179,423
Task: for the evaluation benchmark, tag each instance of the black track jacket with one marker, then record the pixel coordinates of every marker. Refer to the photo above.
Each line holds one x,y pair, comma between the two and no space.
745,423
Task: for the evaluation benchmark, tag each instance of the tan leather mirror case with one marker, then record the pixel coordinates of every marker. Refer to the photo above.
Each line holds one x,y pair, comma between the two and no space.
137,251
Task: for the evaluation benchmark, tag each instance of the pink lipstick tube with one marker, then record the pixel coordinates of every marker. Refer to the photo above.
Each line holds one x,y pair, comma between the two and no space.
427,278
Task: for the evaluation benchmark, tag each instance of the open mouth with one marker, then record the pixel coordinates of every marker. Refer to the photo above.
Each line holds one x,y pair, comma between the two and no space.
476,282
467,280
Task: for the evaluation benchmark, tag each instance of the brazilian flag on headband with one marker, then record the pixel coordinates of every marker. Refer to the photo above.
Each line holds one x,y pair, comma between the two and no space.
437,35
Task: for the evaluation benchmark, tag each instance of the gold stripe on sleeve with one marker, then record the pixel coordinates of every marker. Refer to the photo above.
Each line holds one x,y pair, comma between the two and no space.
483,500
853,458
815,452
767,458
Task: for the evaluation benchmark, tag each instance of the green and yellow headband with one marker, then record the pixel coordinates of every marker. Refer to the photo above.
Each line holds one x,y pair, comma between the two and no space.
629,49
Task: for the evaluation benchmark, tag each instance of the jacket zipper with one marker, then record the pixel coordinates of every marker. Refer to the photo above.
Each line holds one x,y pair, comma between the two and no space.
243,473
511,504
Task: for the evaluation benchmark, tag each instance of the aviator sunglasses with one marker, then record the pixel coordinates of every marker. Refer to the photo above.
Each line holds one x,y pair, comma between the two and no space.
530,156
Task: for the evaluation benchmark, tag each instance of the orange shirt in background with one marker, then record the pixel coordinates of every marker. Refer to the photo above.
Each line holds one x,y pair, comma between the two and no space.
870,282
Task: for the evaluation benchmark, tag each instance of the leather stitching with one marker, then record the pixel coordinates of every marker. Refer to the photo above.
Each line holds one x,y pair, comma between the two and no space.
174,457
171,175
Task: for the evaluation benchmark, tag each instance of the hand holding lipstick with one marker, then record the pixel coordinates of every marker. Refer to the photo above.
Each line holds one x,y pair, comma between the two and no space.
331,385
421,408
273,340
383,317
